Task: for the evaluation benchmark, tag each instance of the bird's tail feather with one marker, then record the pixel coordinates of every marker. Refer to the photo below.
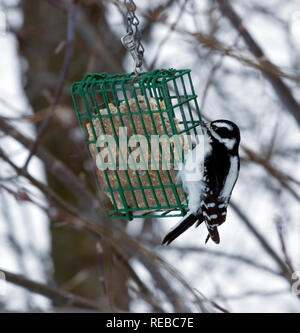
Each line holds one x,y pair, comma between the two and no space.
187,221
214,235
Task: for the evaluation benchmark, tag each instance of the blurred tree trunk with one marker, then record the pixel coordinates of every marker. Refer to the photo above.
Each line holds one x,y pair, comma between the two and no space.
96,49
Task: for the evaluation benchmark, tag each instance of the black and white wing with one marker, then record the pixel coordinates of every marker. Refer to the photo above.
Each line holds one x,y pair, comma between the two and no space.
216,199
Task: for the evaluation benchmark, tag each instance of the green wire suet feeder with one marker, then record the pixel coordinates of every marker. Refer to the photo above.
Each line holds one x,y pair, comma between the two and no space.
128,117
148,105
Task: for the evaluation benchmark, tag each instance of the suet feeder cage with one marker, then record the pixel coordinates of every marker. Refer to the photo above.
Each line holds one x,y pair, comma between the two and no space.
147,106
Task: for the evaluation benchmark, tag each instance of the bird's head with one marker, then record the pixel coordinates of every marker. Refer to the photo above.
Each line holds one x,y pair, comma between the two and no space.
224,132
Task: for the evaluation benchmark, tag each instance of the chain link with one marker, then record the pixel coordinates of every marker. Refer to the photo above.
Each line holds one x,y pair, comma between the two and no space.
132,40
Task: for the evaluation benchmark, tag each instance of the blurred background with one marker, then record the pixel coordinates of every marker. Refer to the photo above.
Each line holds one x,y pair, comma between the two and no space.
58,250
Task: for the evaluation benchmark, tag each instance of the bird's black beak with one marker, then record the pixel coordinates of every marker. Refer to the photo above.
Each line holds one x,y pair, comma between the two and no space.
205,126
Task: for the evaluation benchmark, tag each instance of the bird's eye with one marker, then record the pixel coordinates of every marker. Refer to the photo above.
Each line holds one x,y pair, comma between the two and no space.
222,131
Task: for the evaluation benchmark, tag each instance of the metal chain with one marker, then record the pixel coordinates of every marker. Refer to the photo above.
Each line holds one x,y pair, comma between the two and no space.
132,40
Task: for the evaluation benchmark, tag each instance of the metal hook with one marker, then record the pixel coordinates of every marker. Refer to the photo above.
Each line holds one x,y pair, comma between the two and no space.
130,43
132,39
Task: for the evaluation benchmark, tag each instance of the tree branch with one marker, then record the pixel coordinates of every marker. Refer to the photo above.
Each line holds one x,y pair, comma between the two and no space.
59,170
282,90
286,273
53,293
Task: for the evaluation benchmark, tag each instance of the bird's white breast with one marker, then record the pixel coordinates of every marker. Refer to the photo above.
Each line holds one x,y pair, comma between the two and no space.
192,172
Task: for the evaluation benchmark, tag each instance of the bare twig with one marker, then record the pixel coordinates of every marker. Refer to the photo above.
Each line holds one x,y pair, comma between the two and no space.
168,35
283,178
219,307
211,76
46,190
214,44
281,236
51,292
282,90
99,250
262,240
222,254
59,170
253,293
